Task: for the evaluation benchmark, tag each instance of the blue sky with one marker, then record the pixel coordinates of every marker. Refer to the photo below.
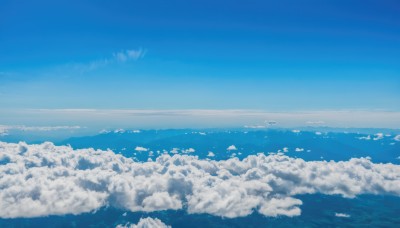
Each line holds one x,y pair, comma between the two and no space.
275,56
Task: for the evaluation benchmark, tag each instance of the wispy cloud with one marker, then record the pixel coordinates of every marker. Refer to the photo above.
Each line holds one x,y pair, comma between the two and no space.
127,55
4,129
122,56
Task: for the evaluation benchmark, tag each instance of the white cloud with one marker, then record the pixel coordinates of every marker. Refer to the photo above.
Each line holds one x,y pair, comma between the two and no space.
41,180
378,136
318,133
126,55
104,131
117,57
210,154
296,131
141,149
365,137
342,215
5,129
397,138
299,149
119,131
146,223
231,147
190,150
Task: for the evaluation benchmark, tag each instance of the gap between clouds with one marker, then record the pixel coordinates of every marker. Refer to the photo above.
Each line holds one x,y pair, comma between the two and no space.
44,179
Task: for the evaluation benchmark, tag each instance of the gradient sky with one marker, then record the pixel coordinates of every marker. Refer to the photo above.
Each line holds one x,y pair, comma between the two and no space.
281,56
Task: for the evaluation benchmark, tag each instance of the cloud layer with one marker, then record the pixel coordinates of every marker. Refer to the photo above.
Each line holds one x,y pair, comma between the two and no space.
204,118
40,180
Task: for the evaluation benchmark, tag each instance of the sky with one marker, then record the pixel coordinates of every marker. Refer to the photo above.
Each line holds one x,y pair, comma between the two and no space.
265,56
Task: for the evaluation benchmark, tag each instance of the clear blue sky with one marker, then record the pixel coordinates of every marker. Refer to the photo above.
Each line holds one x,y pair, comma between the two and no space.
264,55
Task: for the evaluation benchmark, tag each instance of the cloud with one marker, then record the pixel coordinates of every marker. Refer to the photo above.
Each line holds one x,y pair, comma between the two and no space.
231,147
284,150
141,149
368,137
122,56
44,179
190,150
378,136
342,215
397,138
4,129
299,149
210,154
131,54
210,118
146,223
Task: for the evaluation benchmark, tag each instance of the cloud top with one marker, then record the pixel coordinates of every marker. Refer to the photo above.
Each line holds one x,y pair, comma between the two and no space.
44,179
146,223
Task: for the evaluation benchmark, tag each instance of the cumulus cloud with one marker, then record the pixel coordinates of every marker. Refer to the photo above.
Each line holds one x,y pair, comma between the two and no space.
190,150
299,149
231,147
342,215
146,223
141,149
210,154
44,179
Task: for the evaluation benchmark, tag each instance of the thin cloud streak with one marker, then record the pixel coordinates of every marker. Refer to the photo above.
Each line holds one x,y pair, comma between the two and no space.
117,57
